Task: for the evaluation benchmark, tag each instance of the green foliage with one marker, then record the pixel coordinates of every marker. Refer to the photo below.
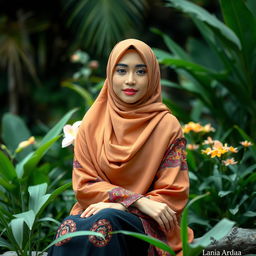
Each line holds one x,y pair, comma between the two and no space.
23,198
189,249
84,82
228,173
100,24
220,72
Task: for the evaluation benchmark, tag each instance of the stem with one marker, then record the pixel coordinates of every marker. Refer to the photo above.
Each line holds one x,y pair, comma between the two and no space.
21,198
29,242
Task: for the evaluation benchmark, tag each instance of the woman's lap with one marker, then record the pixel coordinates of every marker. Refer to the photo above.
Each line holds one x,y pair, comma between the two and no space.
105,221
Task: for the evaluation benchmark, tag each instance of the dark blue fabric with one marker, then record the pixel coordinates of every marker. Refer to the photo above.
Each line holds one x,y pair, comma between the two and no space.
104,221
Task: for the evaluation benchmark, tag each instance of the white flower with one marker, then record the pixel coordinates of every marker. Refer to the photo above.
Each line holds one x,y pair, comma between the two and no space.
70,132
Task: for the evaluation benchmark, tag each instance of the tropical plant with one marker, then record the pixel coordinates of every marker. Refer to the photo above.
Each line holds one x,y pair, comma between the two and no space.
23,185
16,54
189,249
219,72
100,24
84,81
227,172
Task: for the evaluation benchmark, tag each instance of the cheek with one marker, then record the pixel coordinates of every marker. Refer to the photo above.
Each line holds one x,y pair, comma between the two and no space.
144,83
116,81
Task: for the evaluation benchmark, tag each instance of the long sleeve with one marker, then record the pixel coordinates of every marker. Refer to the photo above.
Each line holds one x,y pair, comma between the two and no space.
171,185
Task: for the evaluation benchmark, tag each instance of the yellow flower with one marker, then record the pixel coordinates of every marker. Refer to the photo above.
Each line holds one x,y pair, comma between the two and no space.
192,146
25,144
208,128
206,151
232,149
217,149
196,127
246,143
229,161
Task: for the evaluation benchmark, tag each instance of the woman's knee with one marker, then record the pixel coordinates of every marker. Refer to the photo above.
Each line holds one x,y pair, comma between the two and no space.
109,213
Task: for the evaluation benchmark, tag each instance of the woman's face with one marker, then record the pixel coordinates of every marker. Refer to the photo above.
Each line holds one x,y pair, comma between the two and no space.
130,77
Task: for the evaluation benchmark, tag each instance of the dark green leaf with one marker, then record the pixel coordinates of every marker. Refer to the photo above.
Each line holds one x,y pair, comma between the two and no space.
74,234
199,13
15,131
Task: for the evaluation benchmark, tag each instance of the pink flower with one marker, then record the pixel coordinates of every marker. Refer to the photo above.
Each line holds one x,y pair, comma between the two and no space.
70,132
229,161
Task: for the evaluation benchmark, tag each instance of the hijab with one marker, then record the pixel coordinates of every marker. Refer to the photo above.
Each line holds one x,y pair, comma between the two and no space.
125,143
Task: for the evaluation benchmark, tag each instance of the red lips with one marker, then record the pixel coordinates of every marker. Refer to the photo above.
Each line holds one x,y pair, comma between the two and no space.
130,90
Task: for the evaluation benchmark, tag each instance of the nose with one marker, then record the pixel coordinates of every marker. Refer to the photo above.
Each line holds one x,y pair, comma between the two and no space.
130,79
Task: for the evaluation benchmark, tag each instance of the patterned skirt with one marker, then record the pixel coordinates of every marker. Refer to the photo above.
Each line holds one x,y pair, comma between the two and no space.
105,221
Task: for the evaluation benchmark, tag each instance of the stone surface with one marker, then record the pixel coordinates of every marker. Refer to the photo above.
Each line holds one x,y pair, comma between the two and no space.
239,241
11,253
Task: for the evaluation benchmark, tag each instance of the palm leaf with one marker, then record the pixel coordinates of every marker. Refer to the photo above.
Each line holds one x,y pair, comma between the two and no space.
100,24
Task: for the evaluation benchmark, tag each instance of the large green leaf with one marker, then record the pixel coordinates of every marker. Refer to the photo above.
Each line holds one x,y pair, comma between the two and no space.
29,218
7,169
52,196
14,131
6,184
17,230
38,154
100,24
81,91
38,197
184,224
201,14
156,242
220,230
29,163
74,234
55,131
239,22
172,46
252,6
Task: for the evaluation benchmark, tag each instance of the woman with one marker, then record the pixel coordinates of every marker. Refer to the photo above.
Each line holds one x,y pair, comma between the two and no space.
130,171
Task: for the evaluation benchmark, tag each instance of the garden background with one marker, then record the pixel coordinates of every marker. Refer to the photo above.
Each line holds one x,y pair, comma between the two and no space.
52,65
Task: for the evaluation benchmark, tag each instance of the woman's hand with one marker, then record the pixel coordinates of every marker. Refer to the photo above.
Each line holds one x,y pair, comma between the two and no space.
95,208
160,212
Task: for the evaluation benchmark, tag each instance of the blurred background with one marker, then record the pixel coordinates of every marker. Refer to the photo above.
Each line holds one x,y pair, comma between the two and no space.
38,40
53,56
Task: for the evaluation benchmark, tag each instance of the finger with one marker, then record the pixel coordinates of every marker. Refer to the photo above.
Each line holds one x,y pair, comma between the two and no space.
169,221
89,212
173,214
166,223
98,210
172,221
160,223
86,211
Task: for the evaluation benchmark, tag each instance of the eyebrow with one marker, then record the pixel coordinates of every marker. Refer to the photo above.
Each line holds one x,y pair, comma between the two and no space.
125,65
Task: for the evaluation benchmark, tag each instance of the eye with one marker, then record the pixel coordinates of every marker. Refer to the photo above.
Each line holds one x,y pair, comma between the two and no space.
141,72
121,71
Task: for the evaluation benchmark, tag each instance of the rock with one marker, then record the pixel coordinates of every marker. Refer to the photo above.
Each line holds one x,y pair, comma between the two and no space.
11,253
239,241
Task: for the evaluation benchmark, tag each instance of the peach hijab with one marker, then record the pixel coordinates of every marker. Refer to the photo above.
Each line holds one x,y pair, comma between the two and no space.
124,143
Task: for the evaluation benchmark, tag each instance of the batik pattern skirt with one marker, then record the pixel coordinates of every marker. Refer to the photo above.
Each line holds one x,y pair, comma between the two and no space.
105,221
